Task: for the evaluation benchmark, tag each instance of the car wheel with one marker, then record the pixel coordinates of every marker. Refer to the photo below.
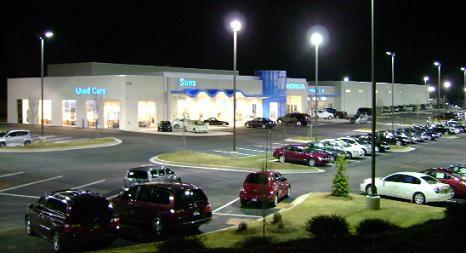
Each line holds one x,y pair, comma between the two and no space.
27,143
279,121
264,126
350,156
194,130
246,125
243,203
2,144
275,200
398,143
282,159
299,123
369,190
311,162
330,117
224,124
365,151
176,126
419,198
288,192
453,192
56,242
157,226
29,231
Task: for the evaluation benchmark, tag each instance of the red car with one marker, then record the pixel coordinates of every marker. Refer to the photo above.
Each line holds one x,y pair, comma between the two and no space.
301,154
161,207
264,187
456,181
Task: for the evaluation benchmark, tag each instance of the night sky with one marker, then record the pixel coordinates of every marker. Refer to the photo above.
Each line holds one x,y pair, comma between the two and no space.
274,36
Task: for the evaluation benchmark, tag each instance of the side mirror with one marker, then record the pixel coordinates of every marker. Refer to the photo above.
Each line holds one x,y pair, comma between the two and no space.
283,179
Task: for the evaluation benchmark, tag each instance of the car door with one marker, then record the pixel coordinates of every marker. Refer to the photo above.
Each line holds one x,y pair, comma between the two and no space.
407,187
124,205
155,175
389,185
282,185
53,216
300,155
290,153
11,139
36,215
144,206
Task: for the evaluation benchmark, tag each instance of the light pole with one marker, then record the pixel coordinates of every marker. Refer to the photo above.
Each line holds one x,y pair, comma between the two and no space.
439,66
316,40
446,85
235,26
392,54
464,87
47,34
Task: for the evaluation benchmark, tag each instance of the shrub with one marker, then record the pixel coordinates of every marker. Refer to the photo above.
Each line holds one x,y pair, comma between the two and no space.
328,226
182,244
281,225
277,217
255,241
243,226
375,226
340,186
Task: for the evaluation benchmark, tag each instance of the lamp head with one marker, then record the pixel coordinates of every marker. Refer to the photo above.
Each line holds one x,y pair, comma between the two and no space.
462,69
346,79
436,63
447,84
426,78
235,25
316,39
48,34
390,53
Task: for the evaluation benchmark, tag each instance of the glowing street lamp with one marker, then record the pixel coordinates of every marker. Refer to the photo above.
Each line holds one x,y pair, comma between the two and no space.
426,78
48,35
316,40
346,79
431,88
446,85
439,66
236,27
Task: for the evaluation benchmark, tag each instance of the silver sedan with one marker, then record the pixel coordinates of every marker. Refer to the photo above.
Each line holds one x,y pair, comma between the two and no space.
150,173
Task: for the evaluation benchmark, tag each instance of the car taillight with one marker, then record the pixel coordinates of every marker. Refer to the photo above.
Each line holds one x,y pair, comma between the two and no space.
69,228
208,208
436,190
115,222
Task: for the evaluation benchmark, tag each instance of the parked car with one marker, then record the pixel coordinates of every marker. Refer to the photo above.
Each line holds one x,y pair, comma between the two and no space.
195,126
458,169
295,118
301,154
15,138
417,187
179,123
336,113
325,114
364,110
150,173
456,181
352,152
163,206
212,121
381,146
264,187
260,122
164,126
392,139
334,153
359,119
366,147
71,218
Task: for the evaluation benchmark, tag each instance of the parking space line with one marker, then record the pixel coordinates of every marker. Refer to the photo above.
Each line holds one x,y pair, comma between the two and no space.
89,184
231,152
18,195
239,215
11,174
31,183
227,204
253,150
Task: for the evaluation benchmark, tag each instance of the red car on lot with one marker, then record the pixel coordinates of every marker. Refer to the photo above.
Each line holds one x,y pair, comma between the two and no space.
264,187
161,207
301,154
456,181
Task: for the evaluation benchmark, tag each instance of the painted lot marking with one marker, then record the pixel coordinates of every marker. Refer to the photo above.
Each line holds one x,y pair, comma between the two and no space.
11,174
253,150
231,152
239,215
59,139
227,204
18,195
31,183
89,184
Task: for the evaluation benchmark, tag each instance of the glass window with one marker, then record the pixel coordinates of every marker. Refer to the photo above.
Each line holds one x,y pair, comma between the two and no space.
91,113
430,180
154,173
112,114
161,172
161,197
69,112
145,195
130,193
86,210
411,180
139,174
188,197
146,114
394,178
168,171
257,178
56,205
47,112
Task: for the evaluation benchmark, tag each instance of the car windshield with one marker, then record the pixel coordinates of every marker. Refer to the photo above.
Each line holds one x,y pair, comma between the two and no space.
87,209
187,197
2,134
257,178
319,145
138,174
430,179
198,123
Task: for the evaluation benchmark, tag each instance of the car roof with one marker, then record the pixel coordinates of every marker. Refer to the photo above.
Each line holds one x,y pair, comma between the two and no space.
410,173
269,172
146,167
70,195
170,186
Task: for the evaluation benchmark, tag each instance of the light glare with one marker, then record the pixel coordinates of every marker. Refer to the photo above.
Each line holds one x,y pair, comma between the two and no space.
431,89
346,79
447,84
316,39
235,25
437,63
426,78
48,34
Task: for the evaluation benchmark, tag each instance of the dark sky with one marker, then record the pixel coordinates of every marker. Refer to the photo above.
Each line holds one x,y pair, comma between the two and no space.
194,34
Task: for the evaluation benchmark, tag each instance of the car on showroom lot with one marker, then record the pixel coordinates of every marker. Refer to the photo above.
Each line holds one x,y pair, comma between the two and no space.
301,154
164,126
458,169
381,146
260,122
71,218
179,123
15,138
195,126
336,113
265,187
456,181
150,173
334,153
161,207
295,118
366,147
212,121
417,187
325,114
351,151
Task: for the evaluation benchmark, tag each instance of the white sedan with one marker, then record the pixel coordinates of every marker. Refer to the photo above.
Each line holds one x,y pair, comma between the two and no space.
179,123
351,151
195,126
417,187
325,115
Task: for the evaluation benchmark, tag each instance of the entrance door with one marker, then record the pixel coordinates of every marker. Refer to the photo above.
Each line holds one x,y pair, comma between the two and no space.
20,110
273,110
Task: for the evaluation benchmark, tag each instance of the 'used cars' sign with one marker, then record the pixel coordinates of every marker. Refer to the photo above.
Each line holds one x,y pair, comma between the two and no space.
90,91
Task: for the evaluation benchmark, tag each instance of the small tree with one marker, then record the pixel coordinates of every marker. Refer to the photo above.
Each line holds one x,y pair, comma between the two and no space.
340,186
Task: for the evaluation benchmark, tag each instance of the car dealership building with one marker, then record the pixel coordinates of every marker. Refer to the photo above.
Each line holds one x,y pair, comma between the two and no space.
131,97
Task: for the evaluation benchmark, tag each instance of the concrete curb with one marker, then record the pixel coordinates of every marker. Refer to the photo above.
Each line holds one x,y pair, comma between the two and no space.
409,149
156,160
187,134
41,150
298,141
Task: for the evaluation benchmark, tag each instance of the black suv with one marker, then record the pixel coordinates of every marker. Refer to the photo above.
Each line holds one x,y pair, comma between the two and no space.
72,218
295,118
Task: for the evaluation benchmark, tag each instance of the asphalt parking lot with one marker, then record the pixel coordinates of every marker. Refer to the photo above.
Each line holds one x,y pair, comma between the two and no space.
24,177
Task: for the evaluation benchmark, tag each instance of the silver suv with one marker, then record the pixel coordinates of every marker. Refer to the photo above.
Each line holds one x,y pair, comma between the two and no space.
150,173
15,138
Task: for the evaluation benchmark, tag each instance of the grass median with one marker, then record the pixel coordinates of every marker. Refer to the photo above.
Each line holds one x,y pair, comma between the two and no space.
250,163
64,144
403,214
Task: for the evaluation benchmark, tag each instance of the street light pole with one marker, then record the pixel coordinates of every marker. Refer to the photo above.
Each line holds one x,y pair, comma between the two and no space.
392,54
439,66
464,87
47,35
446,85
236,26
316,40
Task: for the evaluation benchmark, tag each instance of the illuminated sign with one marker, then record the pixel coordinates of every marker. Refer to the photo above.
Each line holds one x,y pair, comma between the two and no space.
90,91
187,83
295,86
313,90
